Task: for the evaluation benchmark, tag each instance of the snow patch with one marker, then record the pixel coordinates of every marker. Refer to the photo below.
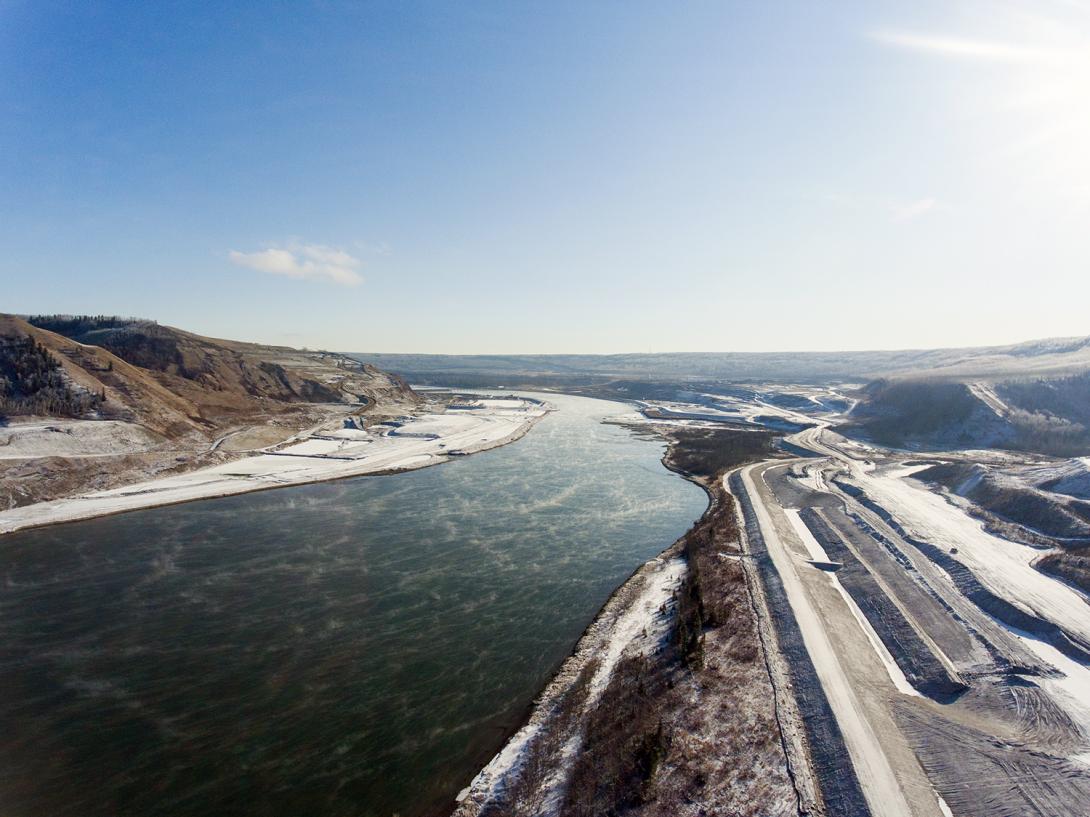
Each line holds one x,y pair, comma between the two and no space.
74,439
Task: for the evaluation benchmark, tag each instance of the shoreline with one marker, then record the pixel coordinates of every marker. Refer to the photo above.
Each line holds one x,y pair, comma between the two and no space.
540,759
221,482
490,783
494,776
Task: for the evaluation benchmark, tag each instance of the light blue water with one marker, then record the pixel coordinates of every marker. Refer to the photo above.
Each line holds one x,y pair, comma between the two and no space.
351,648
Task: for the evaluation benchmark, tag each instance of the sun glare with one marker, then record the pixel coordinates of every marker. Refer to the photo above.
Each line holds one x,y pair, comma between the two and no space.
1028,80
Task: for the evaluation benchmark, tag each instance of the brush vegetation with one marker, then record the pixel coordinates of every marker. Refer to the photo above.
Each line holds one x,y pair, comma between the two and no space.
695,722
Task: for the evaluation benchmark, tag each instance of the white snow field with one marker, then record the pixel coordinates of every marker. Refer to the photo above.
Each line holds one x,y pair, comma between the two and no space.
1071,477
73,439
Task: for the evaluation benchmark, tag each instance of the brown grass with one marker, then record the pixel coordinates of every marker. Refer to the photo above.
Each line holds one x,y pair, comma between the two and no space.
707,453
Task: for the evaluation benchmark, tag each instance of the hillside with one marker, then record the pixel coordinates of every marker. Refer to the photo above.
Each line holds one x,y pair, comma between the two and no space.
94,402
1048,415
32,382
222,377
125,391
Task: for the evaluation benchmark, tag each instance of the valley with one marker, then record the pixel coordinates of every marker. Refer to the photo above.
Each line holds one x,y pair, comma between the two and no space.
563,409
870,613
928,647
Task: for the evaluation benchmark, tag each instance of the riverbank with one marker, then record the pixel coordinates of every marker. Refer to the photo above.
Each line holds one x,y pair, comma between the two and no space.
636,620
466,427
659,710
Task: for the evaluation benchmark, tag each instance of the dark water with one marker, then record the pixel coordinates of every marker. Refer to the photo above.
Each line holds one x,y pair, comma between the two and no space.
353,648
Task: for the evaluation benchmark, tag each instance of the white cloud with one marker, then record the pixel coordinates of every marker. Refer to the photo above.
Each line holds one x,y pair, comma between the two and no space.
914,209
303,261
965,48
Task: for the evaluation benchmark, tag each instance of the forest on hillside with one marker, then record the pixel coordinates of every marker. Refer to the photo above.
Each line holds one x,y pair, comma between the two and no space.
33,383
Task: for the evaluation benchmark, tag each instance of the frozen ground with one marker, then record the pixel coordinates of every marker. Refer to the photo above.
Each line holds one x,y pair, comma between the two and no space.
1071,689
73,439
818,555
413,442
1023,716
869,756
1070,477
928,692
986,394
765,405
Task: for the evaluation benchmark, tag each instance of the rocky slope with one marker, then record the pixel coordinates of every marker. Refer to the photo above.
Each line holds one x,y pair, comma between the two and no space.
223,377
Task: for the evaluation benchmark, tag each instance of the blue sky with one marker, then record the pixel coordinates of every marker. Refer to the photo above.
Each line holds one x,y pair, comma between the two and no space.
552,177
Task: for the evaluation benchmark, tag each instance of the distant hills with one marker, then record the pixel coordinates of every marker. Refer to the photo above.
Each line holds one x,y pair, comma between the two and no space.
1052,357
1031,396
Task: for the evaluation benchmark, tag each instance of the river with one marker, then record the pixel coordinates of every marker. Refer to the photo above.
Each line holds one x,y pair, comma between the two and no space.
353,648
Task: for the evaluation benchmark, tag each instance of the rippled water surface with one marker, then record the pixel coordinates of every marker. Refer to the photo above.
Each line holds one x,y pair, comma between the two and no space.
352,648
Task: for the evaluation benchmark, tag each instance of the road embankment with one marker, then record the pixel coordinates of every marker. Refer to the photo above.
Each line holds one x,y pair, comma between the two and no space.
827,752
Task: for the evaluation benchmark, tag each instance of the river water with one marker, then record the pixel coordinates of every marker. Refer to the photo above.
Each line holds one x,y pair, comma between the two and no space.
352,648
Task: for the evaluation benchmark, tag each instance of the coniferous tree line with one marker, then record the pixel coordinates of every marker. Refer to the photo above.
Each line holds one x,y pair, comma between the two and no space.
32,382
75,325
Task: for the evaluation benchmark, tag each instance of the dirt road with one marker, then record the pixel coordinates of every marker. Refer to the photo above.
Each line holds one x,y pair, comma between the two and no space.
884,771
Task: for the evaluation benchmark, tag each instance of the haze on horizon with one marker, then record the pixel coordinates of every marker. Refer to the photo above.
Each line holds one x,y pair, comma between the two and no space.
552,178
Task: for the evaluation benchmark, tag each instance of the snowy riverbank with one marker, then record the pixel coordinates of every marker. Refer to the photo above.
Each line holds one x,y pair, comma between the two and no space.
413,442
635,619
